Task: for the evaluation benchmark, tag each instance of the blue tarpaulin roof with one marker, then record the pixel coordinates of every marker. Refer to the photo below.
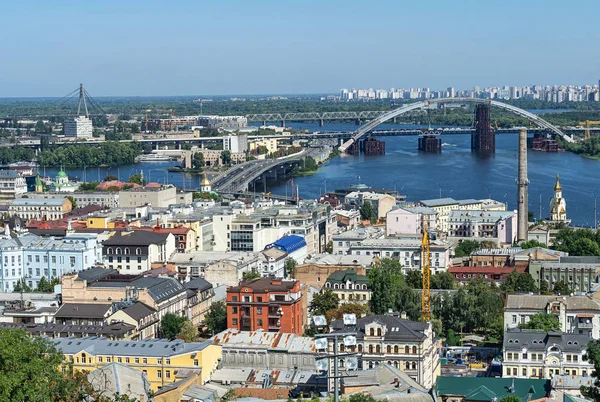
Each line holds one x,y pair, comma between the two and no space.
289,244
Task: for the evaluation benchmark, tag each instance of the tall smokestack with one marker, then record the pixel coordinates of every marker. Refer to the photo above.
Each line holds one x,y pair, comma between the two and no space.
522,183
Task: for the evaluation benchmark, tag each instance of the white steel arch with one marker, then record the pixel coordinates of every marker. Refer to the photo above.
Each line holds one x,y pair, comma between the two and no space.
362,130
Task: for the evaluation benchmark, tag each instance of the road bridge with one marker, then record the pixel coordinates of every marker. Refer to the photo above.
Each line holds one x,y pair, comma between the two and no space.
366,128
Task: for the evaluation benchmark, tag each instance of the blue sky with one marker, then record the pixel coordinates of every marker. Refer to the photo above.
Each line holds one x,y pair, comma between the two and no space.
206,47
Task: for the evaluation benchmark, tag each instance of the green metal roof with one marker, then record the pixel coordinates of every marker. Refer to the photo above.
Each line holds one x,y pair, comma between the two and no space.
485,388
342,276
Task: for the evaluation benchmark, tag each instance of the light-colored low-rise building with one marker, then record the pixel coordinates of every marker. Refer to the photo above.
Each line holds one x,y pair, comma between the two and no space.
133,252
349,286
107,199
381,203
12,185
410,221
32,208
576,314
541,354
497,226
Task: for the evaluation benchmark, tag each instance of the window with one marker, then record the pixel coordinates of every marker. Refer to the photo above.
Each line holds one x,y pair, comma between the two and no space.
378,331
234,321
389,349
234,298
127,360
119,360
126,250
37,258
525,355
524,371
46,259
168,361
196,362
99,359
29,258
259,310
259,322
72,261
234,310
168,373
145,361
53,259
370,348
396,349
372,332
138,251
406,350
159,374
414,350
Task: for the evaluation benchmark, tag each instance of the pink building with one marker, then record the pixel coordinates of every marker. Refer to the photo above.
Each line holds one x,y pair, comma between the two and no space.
409,221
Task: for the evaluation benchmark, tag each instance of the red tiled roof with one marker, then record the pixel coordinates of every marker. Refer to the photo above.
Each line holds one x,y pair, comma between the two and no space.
153,185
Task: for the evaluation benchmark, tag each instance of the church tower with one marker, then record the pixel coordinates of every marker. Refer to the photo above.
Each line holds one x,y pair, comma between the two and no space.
558,205
205,184
39,187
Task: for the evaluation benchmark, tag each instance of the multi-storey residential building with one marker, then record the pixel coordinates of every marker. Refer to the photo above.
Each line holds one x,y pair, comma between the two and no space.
201,297
235,143
154,194
80,127
274,305
133,252
540,354
381,203
443,206
265,350
185,238
29,258
107,199
408,345
576,314
497,226
31,208
159,359
406,250
497,275
12,185
410,221
100,285
343,240
349,286
579,272
254,231
218,268
139,315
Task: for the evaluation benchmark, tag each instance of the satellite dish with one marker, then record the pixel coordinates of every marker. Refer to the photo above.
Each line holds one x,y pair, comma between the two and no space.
349,340
351,363
320,321
349,319
322,364
321,343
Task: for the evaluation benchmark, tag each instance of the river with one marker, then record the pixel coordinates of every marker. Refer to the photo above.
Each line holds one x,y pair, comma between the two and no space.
456,173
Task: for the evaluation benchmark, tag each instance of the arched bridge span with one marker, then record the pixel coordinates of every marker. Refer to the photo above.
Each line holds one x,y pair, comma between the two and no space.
364,129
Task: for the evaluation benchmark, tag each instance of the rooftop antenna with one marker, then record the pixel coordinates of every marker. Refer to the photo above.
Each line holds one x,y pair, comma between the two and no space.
82,99
511,389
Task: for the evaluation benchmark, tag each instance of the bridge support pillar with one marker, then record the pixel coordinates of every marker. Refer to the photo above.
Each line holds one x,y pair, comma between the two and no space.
394,120
321,123
283,123
265,123
357,122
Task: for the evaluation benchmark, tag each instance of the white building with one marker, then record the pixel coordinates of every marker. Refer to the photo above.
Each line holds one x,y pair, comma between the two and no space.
498,226
132,253
235,143
30,257
12,185
410,221
576,314
558,205
80,127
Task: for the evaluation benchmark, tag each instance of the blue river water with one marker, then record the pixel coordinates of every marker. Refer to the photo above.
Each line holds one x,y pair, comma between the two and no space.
456,173
459,174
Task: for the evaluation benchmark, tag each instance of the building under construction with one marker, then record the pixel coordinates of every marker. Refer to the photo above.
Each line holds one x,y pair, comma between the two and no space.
543,142
483,140
430,143
368,146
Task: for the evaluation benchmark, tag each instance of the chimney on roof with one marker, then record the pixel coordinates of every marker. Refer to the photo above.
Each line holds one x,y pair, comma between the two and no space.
403,315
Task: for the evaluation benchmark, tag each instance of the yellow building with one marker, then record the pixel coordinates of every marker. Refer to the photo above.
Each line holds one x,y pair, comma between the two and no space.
99,222
269,143
160,359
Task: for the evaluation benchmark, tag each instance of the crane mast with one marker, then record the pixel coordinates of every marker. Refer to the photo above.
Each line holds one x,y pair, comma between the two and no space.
426,275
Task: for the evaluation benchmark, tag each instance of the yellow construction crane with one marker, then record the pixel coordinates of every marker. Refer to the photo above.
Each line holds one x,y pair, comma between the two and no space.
426,275
587,125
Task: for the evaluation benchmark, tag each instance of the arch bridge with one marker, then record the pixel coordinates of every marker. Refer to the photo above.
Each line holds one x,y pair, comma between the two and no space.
364,129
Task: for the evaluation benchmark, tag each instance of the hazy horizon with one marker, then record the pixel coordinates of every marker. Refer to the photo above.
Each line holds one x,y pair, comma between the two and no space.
155,48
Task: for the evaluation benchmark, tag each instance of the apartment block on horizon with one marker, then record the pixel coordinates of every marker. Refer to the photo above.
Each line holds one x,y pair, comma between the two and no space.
273,305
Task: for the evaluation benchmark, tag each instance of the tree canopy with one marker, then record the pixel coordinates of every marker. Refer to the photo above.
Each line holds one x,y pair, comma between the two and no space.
367,212
170,325
389,290
593,357
323,302
216,318
466,247
542,321
578,242
517,282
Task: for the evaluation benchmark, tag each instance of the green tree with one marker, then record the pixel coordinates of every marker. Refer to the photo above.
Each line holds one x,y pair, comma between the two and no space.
542,321
170,325
323,302
360,397
578,242
188,331
451,339
137,179
592,355
367,212
414,279
442,280
466,247
562,288
216,317
44,286
531,244
198,161
73,202
517,282
91,186
389,290
22,286
290,267
110,177
226,158
250,275
530,216
544,287
510,398
358,309
40,127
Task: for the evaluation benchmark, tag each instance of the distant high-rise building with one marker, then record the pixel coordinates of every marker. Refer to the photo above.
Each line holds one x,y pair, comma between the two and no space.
235,143
451,92
80,127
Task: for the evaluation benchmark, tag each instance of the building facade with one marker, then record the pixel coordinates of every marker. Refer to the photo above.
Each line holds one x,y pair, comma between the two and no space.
576,314
159,359
498,226
410,221
408,345
540,354
558,205
79,127
349,287
133,252
235,143
31,208
12,185
273,305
